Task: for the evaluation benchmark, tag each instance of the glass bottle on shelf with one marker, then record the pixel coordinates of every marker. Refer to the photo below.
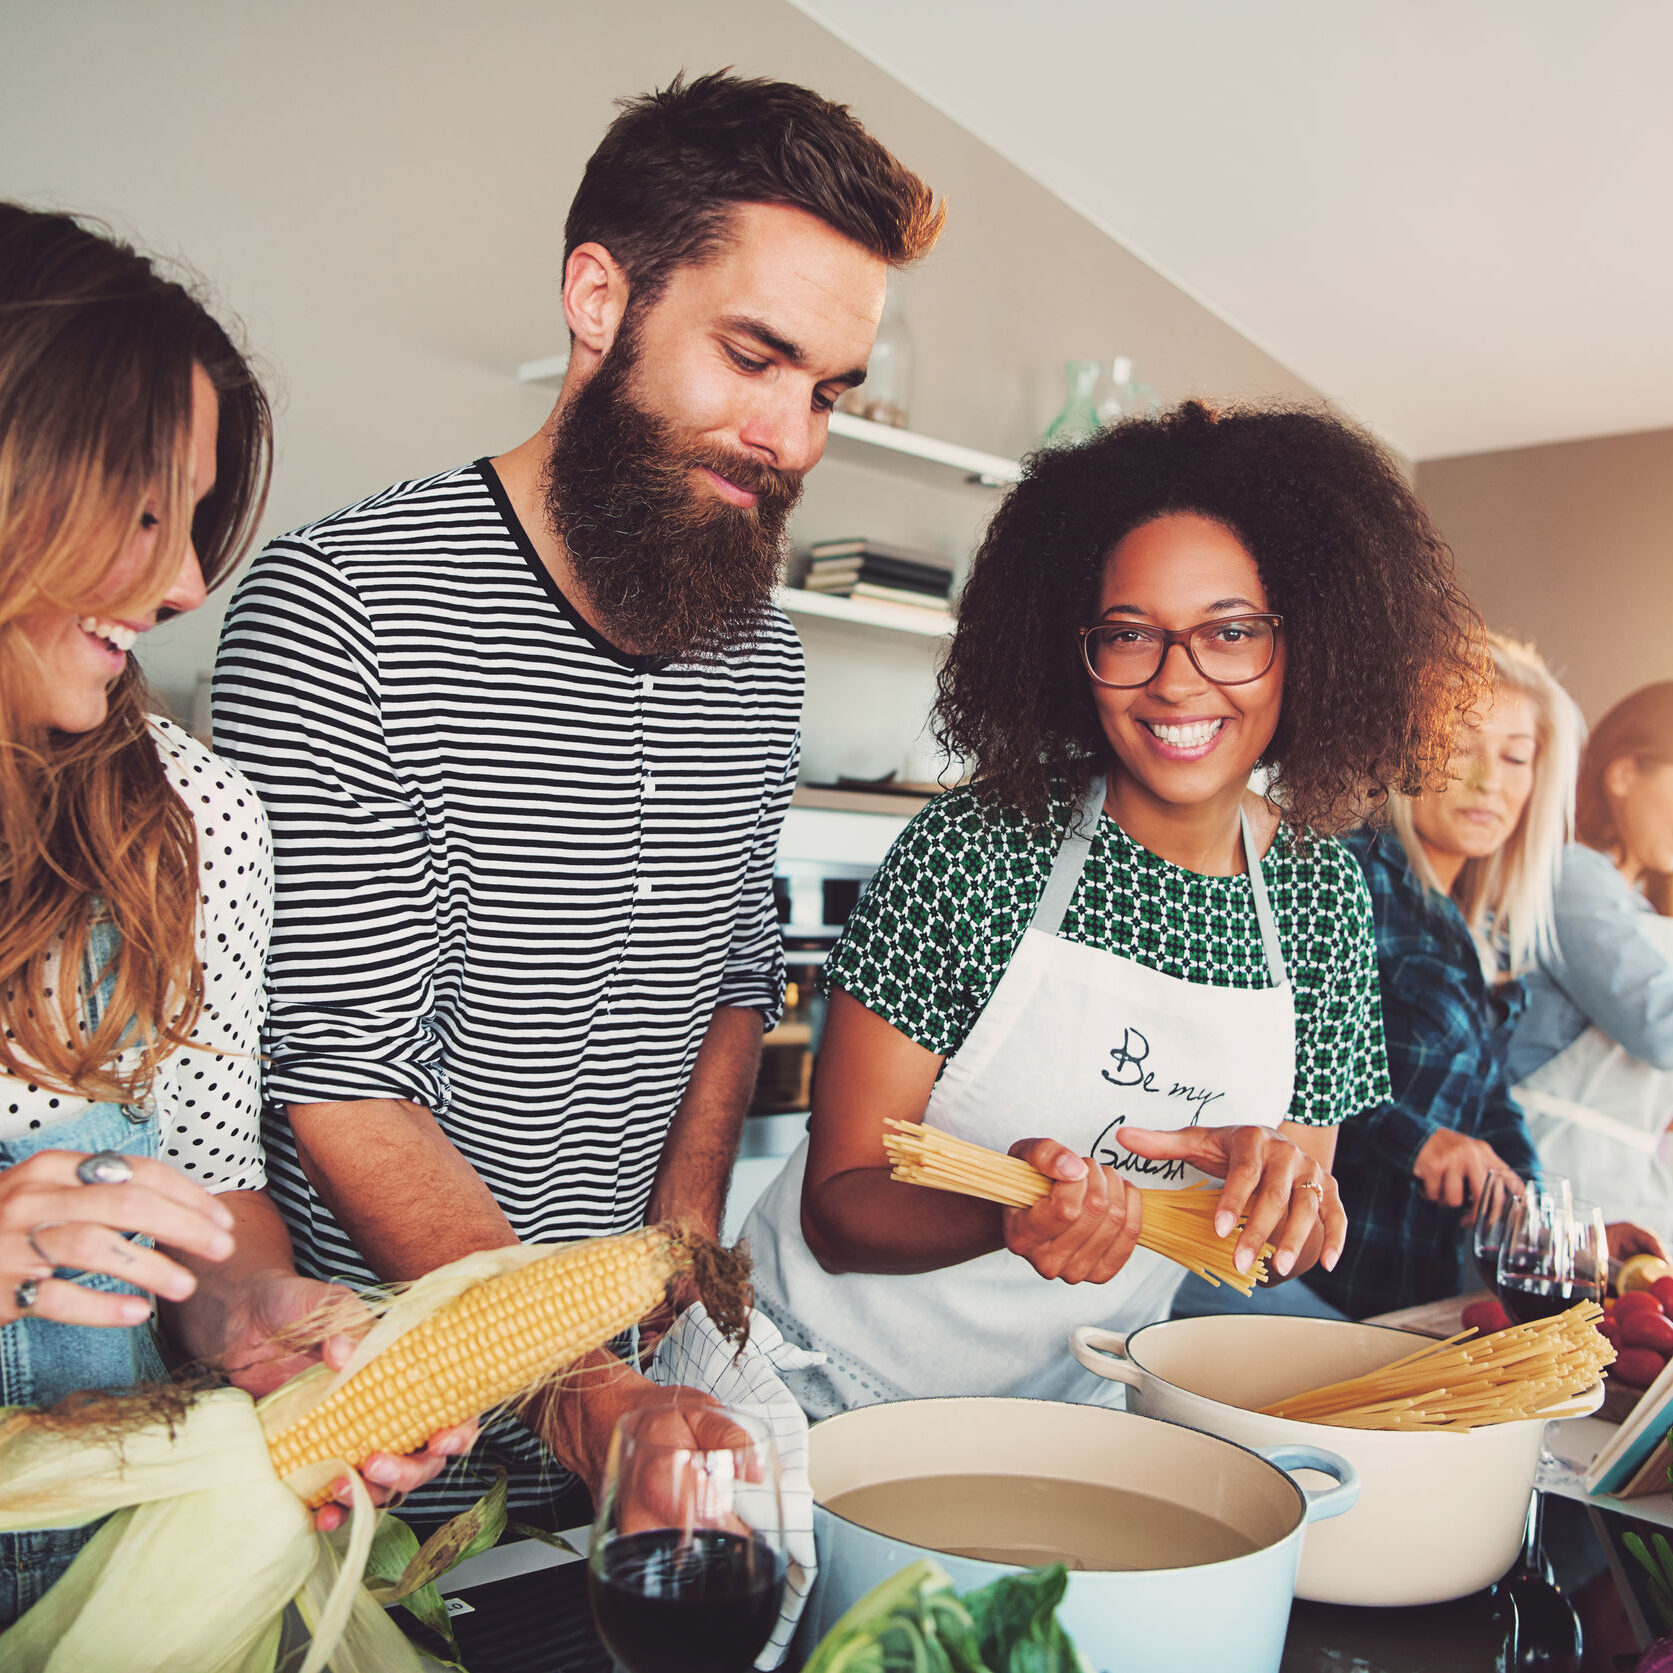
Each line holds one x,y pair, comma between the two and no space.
1078,421
1121,395
886,395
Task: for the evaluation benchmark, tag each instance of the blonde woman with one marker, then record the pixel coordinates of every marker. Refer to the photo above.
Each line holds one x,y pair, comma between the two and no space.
135,874
1461,891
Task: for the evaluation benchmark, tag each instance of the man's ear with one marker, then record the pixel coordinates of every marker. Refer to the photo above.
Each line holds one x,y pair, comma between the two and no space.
595,292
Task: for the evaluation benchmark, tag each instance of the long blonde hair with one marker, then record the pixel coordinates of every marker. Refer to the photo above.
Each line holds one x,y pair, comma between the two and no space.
1508,898
97,351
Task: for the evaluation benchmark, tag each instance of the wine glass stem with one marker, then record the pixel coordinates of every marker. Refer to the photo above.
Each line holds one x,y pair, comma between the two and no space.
1532,1554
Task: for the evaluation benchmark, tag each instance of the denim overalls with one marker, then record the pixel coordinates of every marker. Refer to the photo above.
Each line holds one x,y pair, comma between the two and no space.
42,1360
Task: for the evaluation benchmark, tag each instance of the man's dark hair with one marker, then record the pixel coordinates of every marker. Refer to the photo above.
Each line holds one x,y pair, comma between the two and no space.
659,191
1384,653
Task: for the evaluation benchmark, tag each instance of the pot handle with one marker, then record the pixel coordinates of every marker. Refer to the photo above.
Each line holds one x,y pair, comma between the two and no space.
1322,1502
1104,1354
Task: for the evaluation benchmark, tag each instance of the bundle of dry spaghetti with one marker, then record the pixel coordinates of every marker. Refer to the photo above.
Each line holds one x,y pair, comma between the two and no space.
1459,1384
1178,1225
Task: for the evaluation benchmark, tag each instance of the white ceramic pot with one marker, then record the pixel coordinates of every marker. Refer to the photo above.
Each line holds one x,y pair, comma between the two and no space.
1439,1516
1229,1616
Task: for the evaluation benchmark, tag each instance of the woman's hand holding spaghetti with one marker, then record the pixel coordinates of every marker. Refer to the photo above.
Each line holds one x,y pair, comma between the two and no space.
1085,1231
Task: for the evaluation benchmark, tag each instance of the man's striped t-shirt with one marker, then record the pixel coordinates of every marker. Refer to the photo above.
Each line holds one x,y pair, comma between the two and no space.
516,869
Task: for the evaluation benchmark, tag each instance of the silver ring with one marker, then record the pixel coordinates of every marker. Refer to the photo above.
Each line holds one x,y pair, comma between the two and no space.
33,1235
23,1297
104,1167
1314,1186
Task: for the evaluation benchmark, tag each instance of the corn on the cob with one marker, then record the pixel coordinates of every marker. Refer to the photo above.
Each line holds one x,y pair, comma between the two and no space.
497,1339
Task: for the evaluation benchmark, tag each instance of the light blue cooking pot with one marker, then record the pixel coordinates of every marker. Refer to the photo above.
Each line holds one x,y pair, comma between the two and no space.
1213,1617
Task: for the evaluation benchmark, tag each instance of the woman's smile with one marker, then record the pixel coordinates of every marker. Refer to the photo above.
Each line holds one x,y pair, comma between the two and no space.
1185,740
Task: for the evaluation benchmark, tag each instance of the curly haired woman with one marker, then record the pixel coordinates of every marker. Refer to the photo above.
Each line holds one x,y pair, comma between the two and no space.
1108,937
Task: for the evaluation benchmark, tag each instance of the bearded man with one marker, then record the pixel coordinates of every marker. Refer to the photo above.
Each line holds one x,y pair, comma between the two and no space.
526,731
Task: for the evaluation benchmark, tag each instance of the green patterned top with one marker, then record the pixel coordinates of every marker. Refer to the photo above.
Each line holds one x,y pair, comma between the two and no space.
933,933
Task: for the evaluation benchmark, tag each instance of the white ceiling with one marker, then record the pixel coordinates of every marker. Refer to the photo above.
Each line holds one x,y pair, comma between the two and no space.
1453,216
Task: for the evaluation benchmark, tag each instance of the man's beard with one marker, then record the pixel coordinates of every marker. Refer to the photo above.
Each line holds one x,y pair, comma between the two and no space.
668,568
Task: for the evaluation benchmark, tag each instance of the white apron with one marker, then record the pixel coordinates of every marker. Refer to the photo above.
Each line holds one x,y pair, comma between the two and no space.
1073,1044
1598,1117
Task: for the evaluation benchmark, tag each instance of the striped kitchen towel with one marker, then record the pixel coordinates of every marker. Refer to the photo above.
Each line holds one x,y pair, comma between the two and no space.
695,1355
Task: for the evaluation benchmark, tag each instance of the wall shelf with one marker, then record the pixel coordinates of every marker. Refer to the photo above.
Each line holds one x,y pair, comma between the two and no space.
865,612
859,439
985,470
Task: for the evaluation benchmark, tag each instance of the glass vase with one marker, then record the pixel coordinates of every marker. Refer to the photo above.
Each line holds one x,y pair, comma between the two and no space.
886,395
1078,421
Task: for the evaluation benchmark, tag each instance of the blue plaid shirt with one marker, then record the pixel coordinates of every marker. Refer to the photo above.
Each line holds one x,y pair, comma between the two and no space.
1448,1031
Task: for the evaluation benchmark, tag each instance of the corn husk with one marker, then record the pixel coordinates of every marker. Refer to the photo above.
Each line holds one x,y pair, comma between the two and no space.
206,1546
193,1571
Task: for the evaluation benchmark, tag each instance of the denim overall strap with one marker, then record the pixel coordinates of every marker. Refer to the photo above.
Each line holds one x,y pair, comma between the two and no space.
42,1360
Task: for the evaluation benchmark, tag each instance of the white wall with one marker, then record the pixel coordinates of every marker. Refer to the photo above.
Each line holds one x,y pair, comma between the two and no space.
378,188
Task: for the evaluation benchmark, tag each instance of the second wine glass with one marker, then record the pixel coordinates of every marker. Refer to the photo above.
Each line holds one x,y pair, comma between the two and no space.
687,1566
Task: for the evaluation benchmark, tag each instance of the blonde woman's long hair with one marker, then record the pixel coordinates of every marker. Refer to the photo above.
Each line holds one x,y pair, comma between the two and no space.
1508,898
97,351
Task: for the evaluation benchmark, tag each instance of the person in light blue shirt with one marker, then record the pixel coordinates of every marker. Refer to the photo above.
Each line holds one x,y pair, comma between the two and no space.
1593,1053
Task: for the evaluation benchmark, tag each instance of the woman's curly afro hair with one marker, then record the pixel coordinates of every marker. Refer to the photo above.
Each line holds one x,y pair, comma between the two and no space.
1384,652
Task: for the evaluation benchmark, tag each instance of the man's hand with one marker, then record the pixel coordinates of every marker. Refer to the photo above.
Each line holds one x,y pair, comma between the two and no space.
1085,1231
272,1302
577,1419
1453,1169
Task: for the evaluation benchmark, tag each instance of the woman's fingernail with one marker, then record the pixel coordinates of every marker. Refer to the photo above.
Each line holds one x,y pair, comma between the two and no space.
1223,1223
1284,1260
342,1489
135,1311
179,1288
384,1471
1243,1260
220,1246
223,1217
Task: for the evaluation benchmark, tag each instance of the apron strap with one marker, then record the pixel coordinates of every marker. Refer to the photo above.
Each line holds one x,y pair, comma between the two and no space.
1070,861
1263,906
1536,1102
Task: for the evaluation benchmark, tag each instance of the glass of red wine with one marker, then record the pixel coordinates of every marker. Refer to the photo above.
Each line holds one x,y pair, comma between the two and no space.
1554,1255
687,1567
1499,1196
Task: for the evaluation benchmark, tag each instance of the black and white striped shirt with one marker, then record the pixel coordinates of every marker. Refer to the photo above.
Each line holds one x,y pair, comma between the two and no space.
516,869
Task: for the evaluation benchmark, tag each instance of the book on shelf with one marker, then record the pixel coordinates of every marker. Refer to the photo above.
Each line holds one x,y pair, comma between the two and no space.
858,546
1636,1458
843,574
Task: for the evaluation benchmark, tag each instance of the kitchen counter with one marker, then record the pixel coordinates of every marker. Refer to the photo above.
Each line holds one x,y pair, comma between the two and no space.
528,1614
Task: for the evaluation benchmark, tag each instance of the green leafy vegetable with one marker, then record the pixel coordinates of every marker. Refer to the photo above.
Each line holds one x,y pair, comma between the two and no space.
914,1622
1016,1623
1660,1570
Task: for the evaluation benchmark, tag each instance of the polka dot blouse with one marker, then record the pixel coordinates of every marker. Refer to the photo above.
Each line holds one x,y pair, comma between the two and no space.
932,935
207,1093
